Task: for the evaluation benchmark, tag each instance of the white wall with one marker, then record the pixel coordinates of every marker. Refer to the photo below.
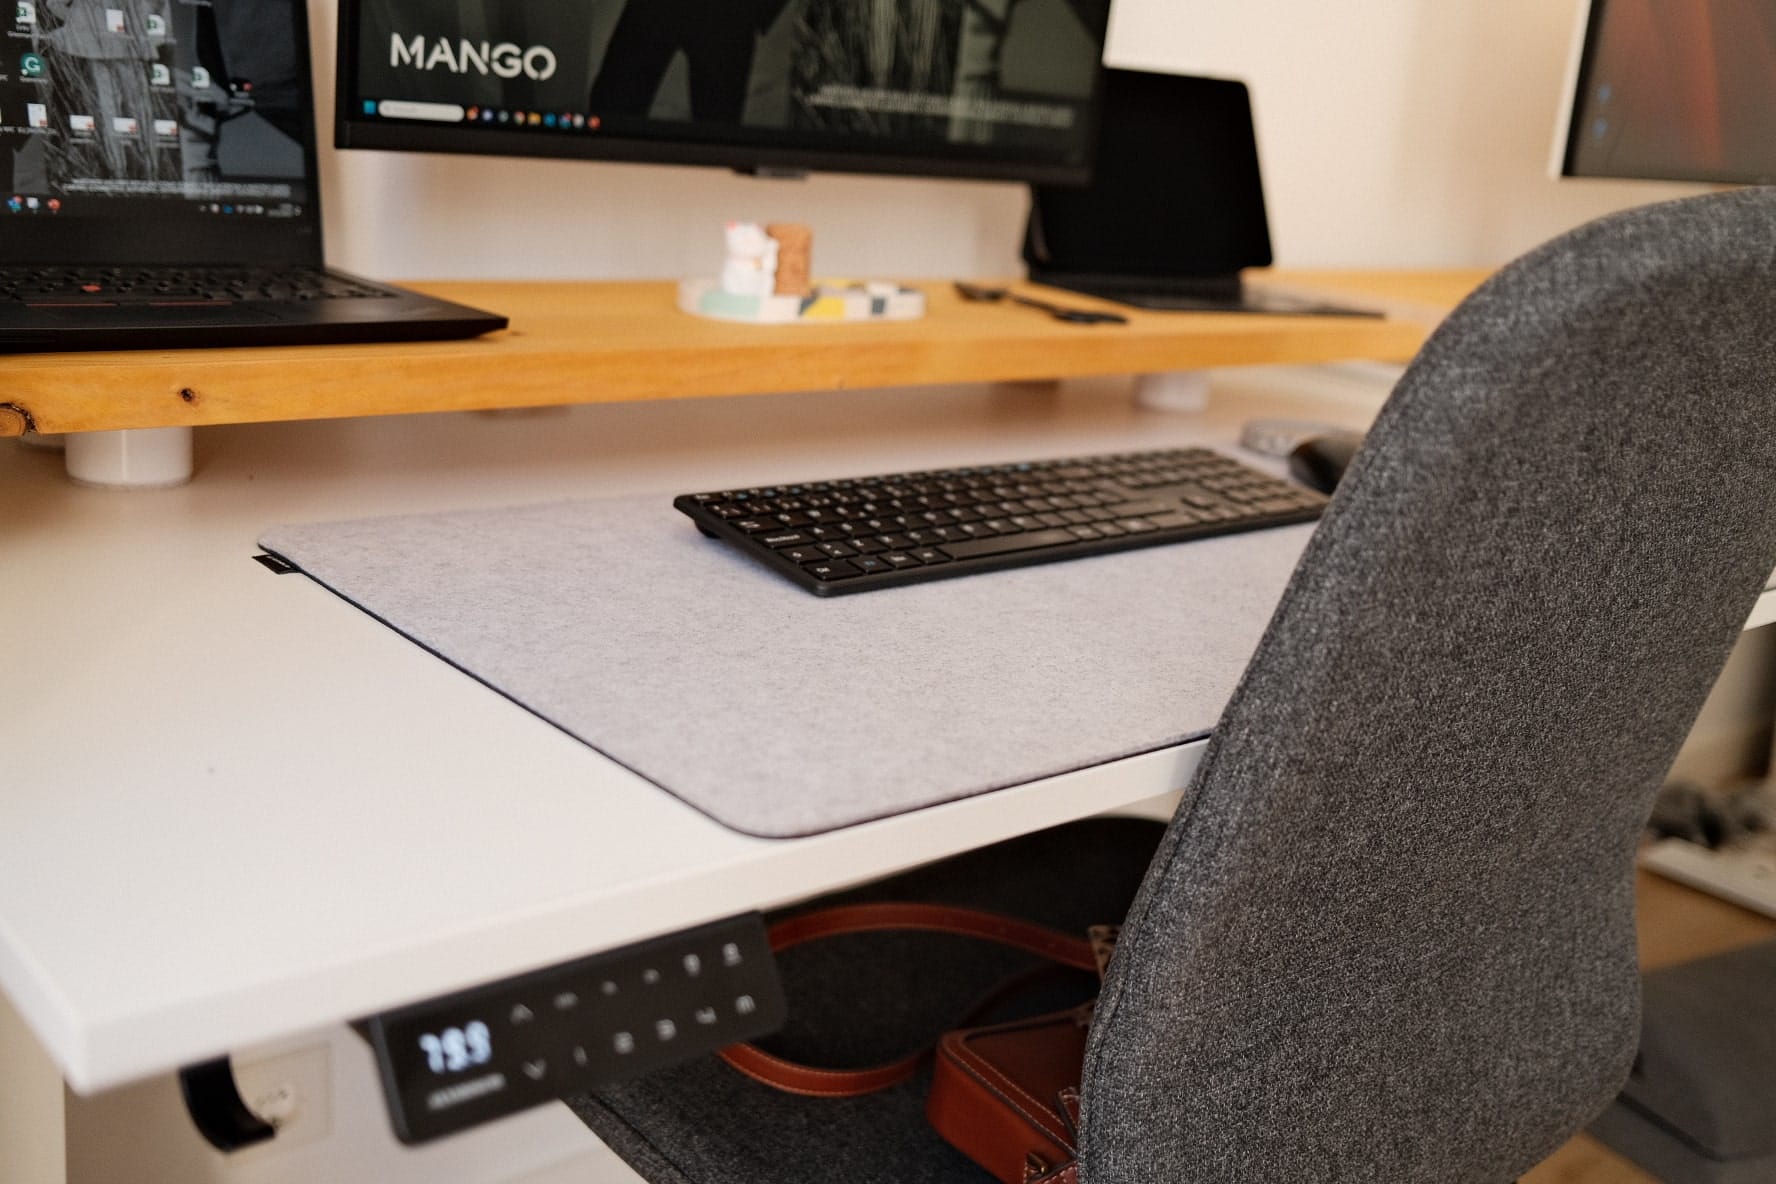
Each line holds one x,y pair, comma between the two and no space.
1393,132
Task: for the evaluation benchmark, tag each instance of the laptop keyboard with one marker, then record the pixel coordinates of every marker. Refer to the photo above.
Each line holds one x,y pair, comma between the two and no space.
99,287
862,533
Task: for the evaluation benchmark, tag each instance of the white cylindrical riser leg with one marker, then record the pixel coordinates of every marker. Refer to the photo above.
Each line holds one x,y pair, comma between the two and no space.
1173,390
137,458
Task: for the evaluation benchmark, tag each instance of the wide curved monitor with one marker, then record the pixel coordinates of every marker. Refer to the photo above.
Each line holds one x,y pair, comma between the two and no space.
977,88
1674,90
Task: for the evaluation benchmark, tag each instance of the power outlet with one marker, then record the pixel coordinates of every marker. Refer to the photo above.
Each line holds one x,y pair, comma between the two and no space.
292,1091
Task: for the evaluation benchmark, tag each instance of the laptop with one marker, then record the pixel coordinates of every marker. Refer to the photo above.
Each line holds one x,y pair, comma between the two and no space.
158,186
1175,208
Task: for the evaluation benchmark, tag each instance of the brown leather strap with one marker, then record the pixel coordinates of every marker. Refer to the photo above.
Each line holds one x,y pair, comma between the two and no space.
937,918
795,1078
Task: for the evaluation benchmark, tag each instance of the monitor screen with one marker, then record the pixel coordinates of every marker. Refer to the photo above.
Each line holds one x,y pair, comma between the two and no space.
133,125
1676,90
984,88
157,130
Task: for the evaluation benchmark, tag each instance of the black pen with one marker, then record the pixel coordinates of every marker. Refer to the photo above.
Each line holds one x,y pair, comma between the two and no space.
981,293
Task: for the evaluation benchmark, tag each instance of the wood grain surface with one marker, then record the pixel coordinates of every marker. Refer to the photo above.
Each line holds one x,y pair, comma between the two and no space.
621,341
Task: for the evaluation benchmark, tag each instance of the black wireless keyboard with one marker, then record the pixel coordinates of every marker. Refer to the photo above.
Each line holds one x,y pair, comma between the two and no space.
863,533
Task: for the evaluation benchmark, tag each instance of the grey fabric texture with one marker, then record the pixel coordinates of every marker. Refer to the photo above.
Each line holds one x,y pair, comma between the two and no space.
1389,935
1706,1068
778,713
867,999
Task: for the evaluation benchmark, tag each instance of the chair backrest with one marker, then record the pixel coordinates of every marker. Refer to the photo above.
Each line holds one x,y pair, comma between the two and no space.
1389,935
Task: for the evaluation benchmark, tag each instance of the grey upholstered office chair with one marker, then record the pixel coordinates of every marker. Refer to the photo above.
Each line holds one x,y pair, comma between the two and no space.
1388,935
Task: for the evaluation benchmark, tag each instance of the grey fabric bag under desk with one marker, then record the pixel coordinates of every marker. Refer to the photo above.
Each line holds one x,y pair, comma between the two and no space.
778,713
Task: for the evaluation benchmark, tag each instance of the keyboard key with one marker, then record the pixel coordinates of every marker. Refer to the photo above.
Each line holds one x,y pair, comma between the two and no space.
787,538
898,559
1005,544
834,569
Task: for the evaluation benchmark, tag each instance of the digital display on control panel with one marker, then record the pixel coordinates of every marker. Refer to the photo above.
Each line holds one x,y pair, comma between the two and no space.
456,1049
484,1053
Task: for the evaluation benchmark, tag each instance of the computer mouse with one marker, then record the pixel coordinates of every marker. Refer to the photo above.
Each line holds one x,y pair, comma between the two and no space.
1319,461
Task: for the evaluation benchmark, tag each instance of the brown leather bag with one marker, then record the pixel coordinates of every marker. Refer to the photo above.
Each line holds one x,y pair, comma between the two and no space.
1005,1095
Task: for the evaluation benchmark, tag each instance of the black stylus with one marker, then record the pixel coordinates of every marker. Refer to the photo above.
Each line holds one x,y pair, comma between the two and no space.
981,293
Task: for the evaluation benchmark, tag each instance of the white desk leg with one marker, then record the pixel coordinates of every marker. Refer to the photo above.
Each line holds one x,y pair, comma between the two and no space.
33,1116
135,458
1173,390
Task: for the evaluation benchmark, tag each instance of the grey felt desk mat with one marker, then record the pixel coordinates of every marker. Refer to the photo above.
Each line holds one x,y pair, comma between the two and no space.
778,713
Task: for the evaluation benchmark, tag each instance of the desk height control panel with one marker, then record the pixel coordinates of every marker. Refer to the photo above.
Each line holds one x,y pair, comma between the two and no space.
483,1053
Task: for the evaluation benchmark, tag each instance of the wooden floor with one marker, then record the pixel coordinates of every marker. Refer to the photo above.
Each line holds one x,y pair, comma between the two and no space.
1677,924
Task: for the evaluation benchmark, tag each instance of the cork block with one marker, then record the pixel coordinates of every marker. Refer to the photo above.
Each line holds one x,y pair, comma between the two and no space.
795,256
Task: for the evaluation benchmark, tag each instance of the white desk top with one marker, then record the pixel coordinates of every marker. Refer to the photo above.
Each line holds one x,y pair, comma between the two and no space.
232,811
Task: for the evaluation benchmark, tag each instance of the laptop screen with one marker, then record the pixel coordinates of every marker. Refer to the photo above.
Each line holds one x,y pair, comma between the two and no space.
1175,190
149,131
